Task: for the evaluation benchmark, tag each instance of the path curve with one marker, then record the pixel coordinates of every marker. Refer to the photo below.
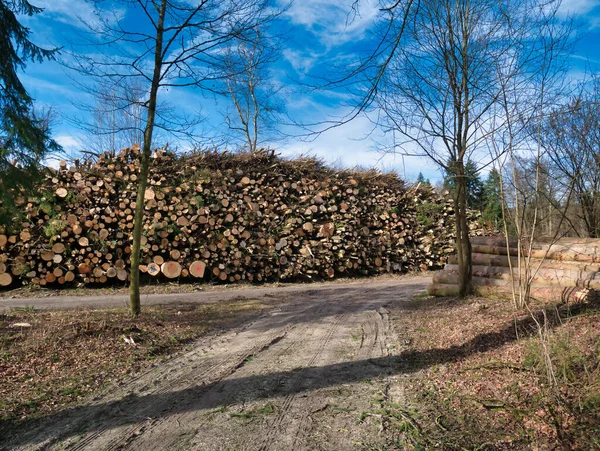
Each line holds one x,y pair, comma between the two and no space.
296,378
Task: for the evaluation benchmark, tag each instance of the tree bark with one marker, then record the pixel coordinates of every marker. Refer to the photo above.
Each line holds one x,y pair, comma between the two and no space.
463,244
134,288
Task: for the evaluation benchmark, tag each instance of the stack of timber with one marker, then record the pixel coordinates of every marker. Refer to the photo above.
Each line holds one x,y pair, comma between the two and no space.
223,217
563,269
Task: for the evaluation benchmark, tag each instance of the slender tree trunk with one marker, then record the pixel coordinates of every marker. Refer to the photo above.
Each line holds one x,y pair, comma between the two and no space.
134,288
463,244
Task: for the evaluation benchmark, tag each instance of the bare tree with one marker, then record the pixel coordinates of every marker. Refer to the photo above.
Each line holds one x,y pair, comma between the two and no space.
249,85
443,78
523,104
527,183
571,139
170,44
115,119
435,78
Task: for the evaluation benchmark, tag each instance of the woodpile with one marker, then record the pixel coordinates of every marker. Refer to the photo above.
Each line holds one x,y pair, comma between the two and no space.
563,269
223,217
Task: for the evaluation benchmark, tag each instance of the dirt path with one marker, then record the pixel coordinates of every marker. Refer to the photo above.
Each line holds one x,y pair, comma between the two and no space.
56,300
297,378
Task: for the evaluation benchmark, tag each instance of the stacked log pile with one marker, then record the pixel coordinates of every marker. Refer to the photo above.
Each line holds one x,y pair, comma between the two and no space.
224,217
563,269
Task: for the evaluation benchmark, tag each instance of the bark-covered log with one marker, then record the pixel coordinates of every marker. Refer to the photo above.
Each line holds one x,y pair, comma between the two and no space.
554,267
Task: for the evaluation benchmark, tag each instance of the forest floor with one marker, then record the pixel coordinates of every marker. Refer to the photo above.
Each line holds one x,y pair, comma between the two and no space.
367,365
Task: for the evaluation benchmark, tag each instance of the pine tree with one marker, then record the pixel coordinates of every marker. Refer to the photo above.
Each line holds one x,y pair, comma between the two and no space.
423,181
24,138
474,184
492,200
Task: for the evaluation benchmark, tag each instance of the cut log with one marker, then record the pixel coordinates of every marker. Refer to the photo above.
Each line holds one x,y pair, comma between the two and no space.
567,276
47,256
153,269
84,268
197,269
437,289
503,260
547,294
250,217
171,269
5,279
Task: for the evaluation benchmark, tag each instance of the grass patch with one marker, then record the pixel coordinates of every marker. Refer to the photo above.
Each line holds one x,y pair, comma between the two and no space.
399,424
267,409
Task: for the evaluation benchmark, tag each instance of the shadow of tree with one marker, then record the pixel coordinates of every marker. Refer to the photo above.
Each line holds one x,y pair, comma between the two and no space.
232,390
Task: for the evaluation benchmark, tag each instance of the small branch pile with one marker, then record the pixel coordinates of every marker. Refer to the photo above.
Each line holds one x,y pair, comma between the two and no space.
224,217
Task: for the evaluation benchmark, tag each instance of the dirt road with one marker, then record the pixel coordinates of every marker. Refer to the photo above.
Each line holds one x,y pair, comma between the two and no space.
86,298
298,378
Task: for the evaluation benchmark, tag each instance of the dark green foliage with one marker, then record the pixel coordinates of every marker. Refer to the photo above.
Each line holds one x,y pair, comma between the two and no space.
492,200
475,197
24,137
428,213
423,181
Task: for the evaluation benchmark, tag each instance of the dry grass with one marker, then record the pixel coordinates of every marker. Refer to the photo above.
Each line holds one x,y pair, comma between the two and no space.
66,355
484,384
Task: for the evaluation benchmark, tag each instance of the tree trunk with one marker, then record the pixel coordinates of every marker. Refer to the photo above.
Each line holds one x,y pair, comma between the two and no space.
134,288
463,245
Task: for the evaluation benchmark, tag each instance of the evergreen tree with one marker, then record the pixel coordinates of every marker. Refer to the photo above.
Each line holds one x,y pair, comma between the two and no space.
423,181
24,138
474,184
492,198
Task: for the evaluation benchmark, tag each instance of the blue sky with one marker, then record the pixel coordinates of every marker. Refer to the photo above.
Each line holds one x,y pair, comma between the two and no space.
319,31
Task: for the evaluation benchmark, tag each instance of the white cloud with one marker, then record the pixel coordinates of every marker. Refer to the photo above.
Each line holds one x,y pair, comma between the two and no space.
67,142
38,85
354,145
302,62
333,22
577,7
77,13
67,11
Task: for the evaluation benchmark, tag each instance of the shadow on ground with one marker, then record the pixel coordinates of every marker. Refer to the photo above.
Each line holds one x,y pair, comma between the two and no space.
265,386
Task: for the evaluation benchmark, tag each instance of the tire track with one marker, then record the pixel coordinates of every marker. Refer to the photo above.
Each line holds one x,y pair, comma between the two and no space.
199,419
295,335
208,376
285,407
372,333
306,354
